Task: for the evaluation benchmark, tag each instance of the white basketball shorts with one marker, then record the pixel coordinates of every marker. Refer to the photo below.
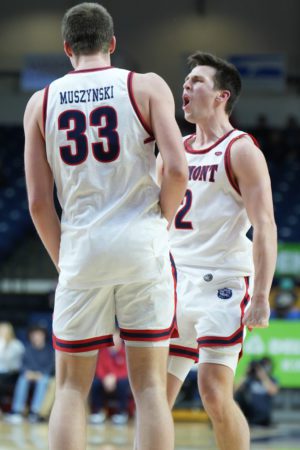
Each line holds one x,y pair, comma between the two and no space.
85,320
210,309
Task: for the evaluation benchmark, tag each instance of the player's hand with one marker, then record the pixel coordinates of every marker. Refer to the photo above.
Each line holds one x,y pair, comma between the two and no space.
257,315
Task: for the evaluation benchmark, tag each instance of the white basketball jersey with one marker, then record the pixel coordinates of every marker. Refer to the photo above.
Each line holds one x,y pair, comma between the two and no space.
102,157
210,227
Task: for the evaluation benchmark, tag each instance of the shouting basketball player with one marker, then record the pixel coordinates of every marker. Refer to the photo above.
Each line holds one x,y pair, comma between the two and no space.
218,295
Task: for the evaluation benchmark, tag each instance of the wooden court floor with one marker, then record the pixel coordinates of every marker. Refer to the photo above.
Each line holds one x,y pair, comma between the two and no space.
189,436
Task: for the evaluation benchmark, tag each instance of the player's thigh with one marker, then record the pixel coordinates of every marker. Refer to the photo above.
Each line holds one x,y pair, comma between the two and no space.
147,367
184,352
74,372
83,320
220,332
146,311
223,304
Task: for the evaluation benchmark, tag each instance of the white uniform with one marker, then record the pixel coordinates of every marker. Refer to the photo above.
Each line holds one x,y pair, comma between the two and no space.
101,154
213,256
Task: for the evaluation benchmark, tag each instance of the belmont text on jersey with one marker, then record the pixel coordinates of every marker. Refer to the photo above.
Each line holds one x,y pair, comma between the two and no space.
203,173
87,95
211,225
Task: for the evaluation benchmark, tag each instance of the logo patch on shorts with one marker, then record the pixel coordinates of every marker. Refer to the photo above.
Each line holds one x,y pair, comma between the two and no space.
225,293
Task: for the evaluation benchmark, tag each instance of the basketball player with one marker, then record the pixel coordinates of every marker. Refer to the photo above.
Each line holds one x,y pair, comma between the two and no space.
92,132
228,190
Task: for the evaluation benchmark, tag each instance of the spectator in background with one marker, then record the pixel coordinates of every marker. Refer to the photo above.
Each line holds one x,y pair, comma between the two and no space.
255,393
291,137
285,301
37,368
262,131
11,353
111,379
277,146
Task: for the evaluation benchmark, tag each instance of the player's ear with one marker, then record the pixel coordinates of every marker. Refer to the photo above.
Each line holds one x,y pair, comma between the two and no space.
68,50
222,96
112,45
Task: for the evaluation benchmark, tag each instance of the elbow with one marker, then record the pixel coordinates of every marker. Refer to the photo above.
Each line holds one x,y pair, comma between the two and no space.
267,225
37,206
273,227
178,173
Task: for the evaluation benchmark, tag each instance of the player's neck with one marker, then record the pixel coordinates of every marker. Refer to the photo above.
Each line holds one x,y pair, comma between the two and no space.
208,132
85,62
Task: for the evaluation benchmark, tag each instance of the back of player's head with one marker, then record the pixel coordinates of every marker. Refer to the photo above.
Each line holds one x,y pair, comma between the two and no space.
227,76
87,28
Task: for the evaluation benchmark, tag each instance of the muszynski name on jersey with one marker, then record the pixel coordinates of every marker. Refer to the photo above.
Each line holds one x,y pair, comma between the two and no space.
203,173
87,95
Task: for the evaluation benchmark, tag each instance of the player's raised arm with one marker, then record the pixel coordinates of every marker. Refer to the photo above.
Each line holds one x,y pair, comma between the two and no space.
252,175
39,179
161,115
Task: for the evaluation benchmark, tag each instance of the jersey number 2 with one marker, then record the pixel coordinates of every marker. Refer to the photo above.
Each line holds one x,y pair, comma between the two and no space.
186,206
74,123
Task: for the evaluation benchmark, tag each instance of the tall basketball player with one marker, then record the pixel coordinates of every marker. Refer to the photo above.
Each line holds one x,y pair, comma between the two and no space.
228,190
92,133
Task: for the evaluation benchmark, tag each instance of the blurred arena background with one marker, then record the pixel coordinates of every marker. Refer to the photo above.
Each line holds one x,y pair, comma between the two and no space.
262,39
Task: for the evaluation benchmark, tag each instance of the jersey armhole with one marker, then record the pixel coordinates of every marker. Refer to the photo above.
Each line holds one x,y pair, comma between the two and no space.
227,160
137,110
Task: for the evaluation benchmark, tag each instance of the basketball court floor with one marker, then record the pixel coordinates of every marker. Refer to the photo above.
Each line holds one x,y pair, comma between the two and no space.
189,436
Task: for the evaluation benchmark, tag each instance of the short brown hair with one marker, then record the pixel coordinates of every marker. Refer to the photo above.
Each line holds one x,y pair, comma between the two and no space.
227,76
88,28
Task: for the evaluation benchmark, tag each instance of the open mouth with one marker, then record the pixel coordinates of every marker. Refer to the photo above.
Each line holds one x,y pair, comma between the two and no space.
185,100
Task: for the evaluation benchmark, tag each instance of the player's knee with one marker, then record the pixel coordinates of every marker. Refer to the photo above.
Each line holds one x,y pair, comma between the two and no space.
150,381
149,385
214,402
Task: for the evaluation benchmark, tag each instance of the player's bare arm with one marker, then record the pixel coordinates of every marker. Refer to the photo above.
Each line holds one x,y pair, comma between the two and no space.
250,169
159,168
157,106
39,179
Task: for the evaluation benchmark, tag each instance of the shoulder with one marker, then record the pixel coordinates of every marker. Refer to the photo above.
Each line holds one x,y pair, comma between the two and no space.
245,142
150,77
34,105
248,161
34,111
151,83
36,99
244,149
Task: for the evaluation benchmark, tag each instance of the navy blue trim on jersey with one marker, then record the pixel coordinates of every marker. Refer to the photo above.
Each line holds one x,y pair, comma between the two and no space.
83,345
175,333
145,335
174,270
184,352
219,341
150,335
